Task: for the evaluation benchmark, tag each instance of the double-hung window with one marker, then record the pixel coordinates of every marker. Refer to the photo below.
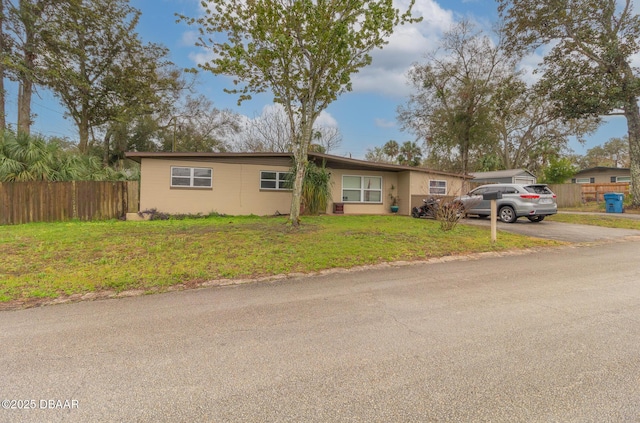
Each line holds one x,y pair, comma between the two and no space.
362,189
621,179
191,177
437,187
275,180
584,180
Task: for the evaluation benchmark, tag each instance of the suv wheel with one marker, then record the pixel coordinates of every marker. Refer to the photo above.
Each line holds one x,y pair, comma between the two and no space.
507,214
536,219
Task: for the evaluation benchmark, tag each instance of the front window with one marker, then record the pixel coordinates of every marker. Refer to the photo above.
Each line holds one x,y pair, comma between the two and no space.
271,179
191,177
437,187
362,189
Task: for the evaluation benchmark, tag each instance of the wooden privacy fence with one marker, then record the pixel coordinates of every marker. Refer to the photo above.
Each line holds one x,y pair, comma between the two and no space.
573,195
596,192
25,202
568,195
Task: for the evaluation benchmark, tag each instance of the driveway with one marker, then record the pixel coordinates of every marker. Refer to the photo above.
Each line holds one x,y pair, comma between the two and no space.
559,231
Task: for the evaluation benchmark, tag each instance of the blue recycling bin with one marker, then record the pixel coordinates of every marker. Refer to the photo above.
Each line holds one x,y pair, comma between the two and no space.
614,201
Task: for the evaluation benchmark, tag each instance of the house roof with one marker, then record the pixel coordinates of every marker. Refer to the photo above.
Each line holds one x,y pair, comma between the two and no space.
602,169
334,162
509,173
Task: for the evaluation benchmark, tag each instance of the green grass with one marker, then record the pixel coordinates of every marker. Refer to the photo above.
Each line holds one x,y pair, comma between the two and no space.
49,260
604,220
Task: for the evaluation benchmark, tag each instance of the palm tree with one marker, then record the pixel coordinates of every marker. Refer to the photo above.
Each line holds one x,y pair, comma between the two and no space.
410,154
27,158
391,149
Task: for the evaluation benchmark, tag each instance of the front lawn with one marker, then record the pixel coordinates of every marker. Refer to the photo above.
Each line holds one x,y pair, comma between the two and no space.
50,260
604,220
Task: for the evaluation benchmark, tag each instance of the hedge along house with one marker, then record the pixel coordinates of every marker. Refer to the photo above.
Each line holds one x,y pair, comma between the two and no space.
255,183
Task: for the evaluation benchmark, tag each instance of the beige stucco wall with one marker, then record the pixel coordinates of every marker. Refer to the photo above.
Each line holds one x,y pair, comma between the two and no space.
602,176
235,191
420,183
410,187
388,179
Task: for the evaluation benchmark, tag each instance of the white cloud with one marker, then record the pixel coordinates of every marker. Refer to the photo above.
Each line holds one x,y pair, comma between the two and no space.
201,57
189,38
324,120
407,45
384,123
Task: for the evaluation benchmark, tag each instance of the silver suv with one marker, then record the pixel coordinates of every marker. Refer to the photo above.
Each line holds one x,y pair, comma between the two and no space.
535,201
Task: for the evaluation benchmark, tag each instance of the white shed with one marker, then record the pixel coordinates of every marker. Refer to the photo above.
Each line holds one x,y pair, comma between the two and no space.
510,176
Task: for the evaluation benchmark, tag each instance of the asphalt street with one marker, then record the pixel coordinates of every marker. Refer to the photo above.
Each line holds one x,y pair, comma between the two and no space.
546,336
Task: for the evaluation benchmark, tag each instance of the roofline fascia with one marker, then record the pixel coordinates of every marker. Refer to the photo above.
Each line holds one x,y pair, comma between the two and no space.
138,156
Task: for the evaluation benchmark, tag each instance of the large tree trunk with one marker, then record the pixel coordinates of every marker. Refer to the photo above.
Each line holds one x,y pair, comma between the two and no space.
106,147
24,106
301,143
83,132
632,113
3,120
31,13
301,159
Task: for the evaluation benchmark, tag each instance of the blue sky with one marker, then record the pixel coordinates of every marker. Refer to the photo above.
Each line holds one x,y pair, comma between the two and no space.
366,117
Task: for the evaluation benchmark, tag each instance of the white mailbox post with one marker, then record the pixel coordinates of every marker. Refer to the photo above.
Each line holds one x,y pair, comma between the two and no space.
493,196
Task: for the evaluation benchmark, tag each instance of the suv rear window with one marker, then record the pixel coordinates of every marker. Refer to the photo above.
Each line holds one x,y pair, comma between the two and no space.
538,189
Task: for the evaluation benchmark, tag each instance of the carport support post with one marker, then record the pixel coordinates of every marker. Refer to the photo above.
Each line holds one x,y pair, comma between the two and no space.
494,221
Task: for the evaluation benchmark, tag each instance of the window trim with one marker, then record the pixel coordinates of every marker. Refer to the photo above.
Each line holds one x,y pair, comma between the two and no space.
192,178
362,189
437,187
586,180
278,180
628,179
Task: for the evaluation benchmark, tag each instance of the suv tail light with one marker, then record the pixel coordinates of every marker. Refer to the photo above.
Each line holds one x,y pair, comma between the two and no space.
530,196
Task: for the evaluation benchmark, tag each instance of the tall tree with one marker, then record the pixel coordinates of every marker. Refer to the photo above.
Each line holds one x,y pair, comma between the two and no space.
304,51
198,126
26,23
268,132
526,125
377,155
589,70
450,108
410,154
613,153
271,132
391,148
99,67
326,138
3,55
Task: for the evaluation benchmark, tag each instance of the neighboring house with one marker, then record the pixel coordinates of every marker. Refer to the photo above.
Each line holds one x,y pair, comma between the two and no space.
510,176
254,183
601,175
